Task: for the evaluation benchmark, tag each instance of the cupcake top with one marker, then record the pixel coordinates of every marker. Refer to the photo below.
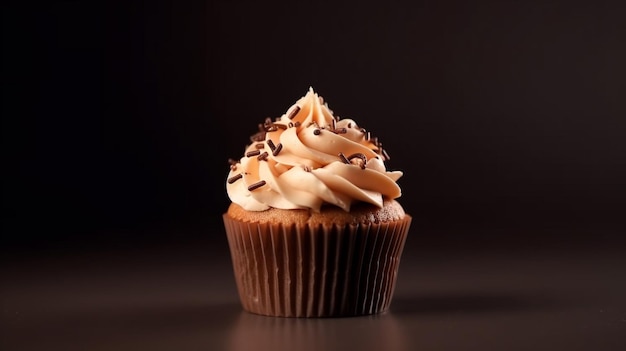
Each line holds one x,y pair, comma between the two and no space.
360,212
308,157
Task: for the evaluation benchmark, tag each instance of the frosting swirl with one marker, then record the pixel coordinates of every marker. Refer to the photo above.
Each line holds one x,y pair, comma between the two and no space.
308,157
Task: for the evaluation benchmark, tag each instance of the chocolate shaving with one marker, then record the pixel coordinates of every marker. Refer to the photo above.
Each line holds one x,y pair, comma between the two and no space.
343,158
360,156
253,153
270,143
294,112
276,151
278,126
263,156
256,185
234,178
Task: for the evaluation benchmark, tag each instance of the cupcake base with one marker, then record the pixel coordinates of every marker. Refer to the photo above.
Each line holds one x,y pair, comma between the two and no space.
320,270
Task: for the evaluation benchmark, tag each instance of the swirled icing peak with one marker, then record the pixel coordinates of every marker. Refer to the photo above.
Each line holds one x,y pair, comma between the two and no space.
308,157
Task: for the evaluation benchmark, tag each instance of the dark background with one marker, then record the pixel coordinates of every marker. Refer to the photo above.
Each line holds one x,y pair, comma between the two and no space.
507,117
118,119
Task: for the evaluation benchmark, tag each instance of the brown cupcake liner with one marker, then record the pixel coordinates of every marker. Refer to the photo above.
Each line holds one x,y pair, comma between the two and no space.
316,271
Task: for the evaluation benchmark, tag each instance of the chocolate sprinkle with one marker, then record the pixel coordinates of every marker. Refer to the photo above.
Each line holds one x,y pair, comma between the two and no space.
297,124
334,124
270,143
279,147
259,146
256,185
317,132
234,178
253,153
350,125
294,112
290,124
343,158
263,156
340,131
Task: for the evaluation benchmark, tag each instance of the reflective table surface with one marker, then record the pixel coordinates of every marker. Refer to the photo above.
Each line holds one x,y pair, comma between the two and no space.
181,296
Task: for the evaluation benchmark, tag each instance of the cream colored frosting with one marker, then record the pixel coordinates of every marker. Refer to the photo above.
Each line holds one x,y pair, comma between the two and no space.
304,167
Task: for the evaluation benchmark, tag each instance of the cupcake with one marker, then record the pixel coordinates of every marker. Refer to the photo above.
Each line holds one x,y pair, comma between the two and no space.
314,229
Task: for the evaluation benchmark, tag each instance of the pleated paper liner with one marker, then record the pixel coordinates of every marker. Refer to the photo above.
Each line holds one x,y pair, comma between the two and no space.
316,271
